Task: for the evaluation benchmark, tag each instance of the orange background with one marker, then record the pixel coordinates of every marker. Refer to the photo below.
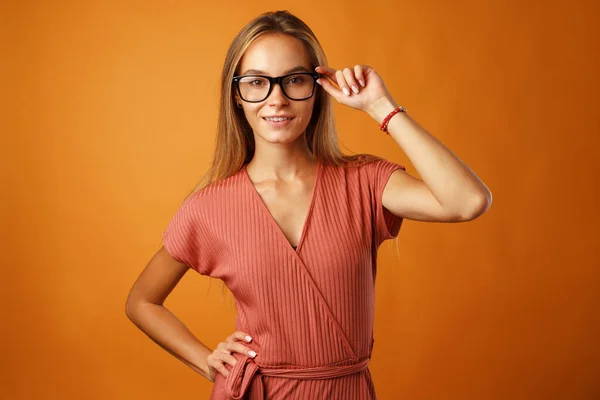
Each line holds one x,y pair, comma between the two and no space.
109,120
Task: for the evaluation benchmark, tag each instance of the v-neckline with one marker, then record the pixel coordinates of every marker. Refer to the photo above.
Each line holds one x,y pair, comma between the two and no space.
307,219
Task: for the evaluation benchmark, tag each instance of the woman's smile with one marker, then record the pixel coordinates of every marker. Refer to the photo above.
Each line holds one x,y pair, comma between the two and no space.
278,121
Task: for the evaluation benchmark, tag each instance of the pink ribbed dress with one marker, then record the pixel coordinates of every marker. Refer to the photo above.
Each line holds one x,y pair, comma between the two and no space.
310,311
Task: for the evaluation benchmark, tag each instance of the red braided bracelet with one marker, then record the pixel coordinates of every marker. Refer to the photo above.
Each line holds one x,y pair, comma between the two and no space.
386,120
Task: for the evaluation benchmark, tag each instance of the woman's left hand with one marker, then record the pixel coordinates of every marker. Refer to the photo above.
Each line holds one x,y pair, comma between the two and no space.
359,87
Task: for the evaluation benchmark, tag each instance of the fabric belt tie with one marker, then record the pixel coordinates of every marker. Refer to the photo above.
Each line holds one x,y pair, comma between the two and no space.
242,376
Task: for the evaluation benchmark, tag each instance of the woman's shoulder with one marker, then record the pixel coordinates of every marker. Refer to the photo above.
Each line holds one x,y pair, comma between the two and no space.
358,160
215,191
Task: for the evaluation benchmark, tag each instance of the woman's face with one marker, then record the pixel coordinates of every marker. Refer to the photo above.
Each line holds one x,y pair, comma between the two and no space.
276,55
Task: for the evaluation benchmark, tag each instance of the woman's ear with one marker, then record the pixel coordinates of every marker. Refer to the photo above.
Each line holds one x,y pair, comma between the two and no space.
238,101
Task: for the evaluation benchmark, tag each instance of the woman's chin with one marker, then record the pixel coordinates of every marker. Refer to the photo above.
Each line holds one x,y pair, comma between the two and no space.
280,136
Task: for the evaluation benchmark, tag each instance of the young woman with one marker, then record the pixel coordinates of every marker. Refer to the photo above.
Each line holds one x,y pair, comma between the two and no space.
292,226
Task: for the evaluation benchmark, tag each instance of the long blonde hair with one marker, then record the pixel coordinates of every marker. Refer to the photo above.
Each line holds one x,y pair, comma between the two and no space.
235,140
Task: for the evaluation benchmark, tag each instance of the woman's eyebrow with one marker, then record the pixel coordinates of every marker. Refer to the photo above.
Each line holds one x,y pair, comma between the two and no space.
289,71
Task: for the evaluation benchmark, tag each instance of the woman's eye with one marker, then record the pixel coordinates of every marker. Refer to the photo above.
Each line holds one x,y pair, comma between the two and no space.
295,80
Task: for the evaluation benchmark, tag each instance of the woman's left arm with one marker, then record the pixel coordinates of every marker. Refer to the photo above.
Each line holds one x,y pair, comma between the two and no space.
449,190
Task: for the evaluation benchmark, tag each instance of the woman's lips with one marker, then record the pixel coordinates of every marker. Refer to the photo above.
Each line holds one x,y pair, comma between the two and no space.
277,123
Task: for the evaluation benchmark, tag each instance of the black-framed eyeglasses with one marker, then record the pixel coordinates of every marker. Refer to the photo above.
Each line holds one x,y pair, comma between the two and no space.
296,86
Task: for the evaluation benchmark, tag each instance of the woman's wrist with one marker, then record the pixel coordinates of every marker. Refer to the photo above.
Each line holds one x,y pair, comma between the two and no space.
381,108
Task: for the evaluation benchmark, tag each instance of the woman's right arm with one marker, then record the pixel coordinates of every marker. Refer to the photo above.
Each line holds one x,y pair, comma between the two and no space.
145,309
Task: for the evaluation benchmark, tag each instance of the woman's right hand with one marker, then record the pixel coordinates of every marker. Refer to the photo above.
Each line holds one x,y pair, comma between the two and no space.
222,354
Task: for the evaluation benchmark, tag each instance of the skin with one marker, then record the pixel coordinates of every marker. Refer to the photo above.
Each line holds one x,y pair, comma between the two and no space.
283,172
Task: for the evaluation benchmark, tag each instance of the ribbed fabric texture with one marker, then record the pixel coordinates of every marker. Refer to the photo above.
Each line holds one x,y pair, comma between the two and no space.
304,308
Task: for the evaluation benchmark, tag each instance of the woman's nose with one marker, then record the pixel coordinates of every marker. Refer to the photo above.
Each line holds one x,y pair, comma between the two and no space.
277,96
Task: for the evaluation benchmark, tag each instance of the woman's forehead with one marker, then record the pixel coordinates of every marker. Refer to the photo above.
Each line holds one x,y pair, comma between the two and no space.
275,54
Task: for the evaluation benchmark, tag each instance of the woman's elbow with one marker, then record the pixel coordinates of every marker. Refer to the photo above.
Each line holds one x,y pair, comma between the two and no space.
479,207
136,300
131,306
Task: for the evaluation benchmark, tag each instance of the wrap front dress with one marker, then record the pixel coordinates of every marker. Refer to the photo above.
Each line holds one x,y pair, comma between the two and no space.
309,310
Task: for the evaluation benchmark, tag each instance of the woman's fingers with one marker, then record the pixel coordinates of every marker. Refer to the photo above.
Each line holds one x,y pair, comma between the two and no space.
348,80
239,335
328,72
230,346
223,354
329,88
349,76
336,76
223,347
341,81
227,357
359,73
240,348
216,363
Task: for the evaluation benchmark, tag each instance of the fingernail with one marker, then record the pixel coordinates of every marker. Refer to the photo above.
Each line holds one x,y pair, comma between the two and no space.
346,91
252,354
362,83
355,89
248,338
319,82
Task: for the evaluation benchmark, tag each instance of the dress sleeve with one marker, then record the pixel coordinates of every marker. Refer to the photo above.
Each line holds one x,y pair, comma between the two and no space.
184,237
385,225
